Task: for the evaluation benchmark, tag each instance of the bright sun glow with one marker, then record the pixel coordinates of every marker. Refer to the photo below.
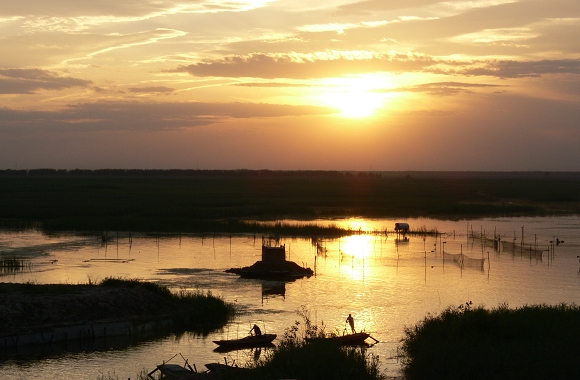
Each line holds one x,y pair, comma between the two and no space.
355,97
354,250
359,246
354,103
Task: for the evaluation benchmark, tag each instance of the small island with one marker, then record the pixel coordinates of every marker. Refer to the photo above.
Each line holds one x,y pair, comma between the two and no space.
273,264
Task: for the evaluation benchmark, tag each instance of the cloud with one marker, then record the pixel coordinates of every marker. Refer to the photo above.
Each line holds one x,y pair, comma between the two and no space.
376,6
29,81
296,66
74,16
335,64
144,116
516,69
272,84
341,27
74,8
444,88
153,89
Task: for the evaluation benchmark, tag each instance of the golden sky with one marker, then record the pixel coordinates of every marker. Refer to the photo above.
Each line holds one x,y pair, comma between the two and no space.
293,85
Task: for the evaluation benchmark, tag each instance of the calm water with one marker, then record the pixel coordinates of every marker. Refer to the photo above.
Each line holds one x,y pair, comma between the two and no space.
385,283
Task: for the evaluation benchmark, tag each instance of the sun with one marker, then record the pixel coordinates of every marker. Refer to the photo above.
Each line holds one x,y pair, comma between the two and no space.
354,97
354,104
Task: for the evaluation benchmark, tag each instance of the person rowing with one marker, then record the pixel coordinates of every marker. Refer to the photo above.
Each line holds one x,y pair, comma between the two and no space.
256,330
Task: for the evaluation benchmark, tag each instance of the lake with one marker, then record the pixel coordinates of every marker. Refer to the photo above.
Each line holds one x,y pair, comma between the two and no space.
385,281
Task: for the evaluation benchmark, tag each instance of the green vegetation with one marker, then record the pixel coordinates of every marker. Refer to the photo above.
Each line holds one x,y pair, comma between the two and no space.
113,299
220,201
140,376
295,358
531,342
190,309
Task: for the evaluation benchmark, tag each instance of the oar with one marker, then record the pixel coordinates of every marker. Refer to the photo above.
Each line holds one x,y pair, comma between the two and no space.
376,341
187,363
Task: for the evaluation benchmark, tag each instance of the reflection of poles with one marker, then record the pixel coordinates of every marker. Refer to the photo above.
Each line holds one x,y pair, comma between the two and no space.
315,259
461,259
425,266
443,255
488,266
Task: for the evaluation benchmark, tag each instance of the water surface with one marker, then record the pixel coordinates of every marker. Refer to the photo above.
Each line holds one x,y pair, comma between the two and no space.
386,282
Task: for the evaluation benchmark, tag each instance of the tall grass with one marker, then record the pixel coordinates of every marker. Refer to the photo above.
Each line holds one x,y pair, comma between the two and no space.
531,342
190,309
295,358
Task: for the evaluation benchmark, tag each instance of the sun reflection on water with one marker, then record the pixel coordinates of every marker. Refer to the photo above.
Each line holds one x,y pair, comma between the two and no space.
354,251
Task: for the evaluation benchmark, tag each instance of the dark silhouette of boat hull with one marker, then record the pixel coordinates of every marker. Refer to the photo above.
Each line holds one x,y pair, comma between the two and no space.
354,339
264,340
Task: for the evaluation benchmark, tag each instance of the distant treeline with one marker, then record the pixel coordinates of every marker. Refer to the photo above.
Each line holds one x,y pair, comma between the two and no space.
182,173
222,200
284,173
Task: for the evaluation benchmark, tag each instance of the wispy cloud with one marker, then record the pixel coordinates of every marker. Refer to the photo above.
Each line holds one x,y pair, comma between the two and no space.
515,69
152,89
28,81
341,27
146,116
70,16
445,88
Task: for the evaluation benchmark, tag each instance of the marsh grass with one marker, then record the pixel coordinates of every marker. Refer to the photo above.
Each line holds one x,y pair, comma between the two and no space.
193,309
142,375
531,342
295,358
196,310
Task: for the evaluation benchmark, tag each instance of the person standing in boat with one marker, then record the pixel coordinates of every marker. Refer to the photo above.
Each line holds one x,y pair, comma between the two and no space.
256,330
350,321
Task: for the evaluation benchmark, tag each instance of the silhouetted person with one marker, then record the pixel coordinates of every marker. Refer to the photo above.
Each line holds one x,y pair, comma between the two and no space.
256,330
350,321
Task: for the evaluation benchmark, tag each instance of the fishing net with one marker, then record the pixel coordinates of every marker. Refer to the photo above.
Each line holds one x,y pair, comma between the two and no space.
463,261
520,249
485,241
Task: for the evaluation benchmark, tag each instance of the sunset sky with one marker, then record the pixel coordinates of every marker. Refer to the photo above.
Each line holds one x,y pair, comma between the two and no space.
292,85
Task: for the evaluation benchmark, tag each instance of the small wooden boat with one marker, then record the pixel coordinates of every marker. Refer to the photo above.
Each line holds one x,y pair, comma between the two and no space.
246,342
226,348
356,338
177,372
348,339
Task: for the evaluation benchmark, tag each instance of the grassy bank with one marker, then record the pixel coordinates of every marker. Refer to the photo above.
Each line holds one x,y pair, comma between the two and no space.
531,342
189,309
208,201
28,307
296,358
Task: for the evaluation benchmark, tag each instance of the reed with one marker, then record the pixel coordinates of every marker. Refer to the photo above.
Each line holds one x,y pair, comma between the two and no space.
198,310
295,358
531,342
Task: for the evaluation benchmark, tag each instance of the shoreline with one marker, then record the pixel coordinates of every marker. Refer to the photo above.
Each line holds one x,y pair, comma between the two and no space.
36,313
